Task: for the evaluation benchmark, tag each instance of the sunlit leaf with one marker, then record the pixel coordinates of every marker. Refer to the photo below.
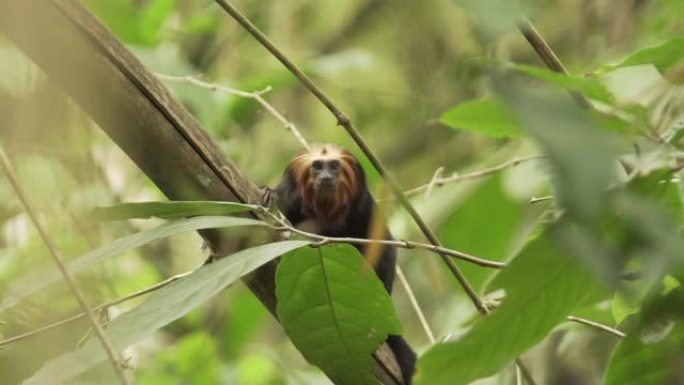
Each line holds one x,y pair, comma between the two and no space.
169,210
161,308
335,310
485,116
33,282
542,287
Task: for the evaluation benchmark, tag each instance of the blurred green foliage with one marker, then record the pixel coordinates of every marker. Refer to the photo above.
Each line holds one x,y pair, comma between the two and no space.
449,84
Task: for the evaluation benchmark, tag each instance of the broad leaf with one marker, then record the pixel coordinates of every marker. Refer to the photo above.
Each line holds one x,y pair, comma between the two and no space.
169,210
34,282
485,116
542,287
161,308
335,310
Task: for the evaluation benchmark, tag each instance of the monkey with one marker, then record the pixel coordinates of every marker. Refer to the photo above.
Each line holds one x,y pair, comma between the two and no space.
324,191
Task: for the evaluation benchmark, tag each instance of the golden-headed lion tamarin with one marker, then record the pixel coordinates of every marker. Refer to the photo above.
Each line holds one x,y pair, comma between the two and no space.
324,191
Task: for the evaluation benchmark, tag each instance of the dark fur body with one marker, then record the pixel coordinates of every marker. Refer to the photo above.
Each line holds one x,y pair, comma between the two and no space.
353,220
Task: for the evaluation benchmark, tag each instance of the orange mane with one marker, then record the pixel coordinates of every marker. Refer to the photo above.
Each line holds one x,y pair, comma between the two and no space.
330,208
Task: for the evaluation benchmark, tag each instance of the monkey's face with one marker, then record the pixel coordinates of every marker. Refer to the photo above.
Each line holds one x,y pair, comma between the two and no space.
325,174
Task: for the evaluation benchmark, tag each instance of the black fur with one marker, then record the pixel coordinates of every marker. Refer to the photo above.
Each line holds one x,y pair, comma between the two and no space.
356,225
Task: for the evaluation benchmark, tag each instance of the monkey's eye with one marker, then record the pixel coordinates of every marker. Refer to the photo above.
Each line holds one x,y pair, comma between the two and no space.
317,165
334,165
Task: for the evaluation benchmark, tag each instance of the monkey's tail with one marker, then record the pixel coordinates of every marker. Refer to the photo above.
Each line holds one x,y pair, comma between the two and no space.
406,357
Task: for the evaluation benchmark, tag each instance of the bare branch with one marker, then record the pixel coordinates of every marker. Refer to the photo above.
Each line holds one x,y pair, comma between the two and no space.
439,181
256,95
520,366
57,257
103,306
323,240
597,325
549,57
416,307
541,199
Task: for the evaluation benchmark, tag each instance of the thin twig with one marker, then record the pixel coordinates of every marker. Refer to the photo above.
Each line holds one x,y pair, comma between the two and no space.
549,57
434,181
540,199
438,182
525,371
416,307
323,240
345,122
597,325
103,306
256,95
56,256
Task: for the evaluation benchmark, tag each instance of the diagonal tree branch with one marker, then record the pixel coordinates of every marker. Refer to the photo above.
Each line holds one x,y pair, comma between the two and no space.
126,100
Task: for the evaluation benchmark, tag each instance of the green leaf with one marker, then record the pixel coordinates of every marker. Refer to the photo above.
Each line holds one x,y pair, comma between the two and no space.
169,210
485,116
34,282
582,154
542,287
161,308
587,86
139,24
664,56
651,354
488,236
335,310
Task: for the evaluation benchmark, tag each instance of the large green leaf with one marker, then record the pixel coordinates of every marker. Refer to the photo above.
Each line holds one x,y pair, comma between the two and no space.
335,310
485,116
169,210
542,287
161,308
34,282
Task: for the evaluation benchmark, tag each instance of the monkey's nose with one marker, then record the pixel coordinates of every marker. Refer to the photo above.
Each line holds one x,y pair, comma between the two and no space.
326,182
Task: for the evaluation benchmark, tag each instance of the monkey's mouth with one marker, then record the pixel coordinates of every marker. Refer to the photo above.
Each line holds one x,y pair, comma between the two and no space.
326,187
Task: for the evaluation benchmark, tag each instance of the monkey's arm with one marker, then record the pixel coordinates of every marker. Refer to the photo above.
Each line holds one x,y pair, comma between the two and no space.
286,198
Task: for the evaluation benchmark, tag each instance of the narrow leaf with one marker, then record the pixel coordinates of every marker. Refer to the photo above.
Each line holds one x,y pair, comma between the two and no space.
34,282
161,308
587,86
169,210
485,116
664,56
335,310
542,287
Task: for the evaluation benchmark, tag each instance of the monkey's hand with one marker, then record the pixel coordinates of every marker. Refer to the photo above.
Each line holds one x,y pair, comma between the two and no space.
269,197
